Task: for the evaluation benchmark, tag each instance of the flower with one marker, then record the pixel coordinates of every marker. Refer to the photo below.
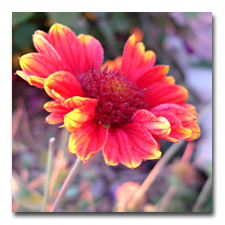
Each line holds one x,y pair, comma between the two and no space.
122,107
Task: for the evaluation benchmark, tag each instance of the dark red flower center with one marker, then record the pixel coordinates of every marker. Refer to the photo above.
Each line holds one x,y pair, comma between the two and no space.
118,97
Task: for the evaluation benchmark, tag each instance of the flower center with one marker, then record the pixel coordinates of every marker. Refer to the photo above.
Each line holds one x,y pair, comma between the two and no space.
118,97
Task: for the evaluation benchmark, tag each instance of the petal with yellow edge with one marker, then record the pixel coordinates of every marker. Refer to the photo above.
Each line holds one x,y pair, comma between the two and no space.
113,65
177,132
93,52
77,101
68,47
88,140
63,83
186,117
55,118
55,107
157,126
129,145
44,47
156,73
39,64
76,118
135,60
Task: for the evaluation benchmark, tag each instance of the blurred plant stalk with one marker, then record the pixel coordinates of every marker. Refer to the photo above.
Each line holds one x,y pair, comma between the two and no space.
48,171
69,180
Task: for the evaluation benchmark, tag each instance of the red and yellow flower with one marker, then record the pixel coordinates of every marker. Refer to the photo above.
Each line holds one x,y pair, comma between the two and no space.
122,107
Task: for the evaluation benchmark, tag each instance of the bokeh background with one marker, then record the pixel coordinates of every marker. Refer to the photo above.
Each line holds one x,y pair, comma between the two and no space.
181,40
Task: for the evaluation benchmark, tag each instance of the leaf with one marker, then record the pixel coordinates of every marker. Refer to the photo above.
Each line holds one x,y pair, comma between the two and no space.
29,199
19,17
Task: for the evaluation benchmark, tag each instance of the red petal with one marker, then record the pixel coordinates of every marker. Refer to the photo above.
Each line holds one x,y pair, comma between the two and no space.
55,107
159,127
63,83
156,73
185,117
129,144
177,131
36,81
113,65
43,34
190,108
44,47
165,94
39,64
77,101
55,118
76,118
135,60
93,52
196,132
88,140
68,46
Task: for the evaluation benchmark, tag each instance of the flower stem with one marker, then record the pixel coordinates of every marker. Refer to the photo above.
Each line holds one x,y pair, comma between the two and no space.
153,174
48,171
70,178
203,195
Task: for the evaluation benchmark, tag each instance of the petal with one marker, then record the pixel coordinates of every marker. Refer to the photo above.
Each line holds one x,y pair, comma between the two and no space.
190,108
36,81
43,34
39,64
113,65
63,83
165,94
88,140
32,80
55,118
55,107
129,145
157,126
44,47
68,46
76,118
185,117
93,52
196,131
77,101
135,60
177,132
156,73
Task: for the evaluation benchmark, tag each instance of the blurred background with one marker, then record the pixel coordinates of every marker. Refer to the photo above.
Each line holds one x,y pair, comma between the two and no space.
181,40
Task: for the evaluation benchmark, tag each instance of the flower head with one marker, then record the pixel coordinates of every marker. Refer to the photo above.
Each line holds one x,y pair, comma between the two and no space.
122,107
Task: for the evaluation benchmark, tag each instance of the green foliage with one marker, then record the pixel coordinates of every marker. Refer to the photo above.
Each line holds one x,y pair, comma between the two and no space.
19,17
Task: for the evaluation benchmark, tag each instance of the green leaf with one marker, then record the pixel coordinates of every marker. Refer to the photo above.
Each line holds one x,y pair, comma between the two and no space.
29,199
19,17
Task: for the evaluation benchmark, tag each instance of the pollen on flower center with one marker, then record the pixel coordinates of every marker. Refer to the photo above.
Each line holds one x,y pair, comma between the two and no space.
118,98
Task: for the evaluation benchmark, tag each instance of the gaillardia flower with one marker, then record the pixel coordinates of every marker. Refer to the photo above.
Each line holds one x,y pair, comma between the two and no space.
122,107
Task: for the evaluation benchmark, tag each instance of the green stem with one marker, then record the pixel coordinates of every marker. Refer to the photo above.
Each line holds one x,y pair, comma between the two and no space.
69,180
48,171
203,195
